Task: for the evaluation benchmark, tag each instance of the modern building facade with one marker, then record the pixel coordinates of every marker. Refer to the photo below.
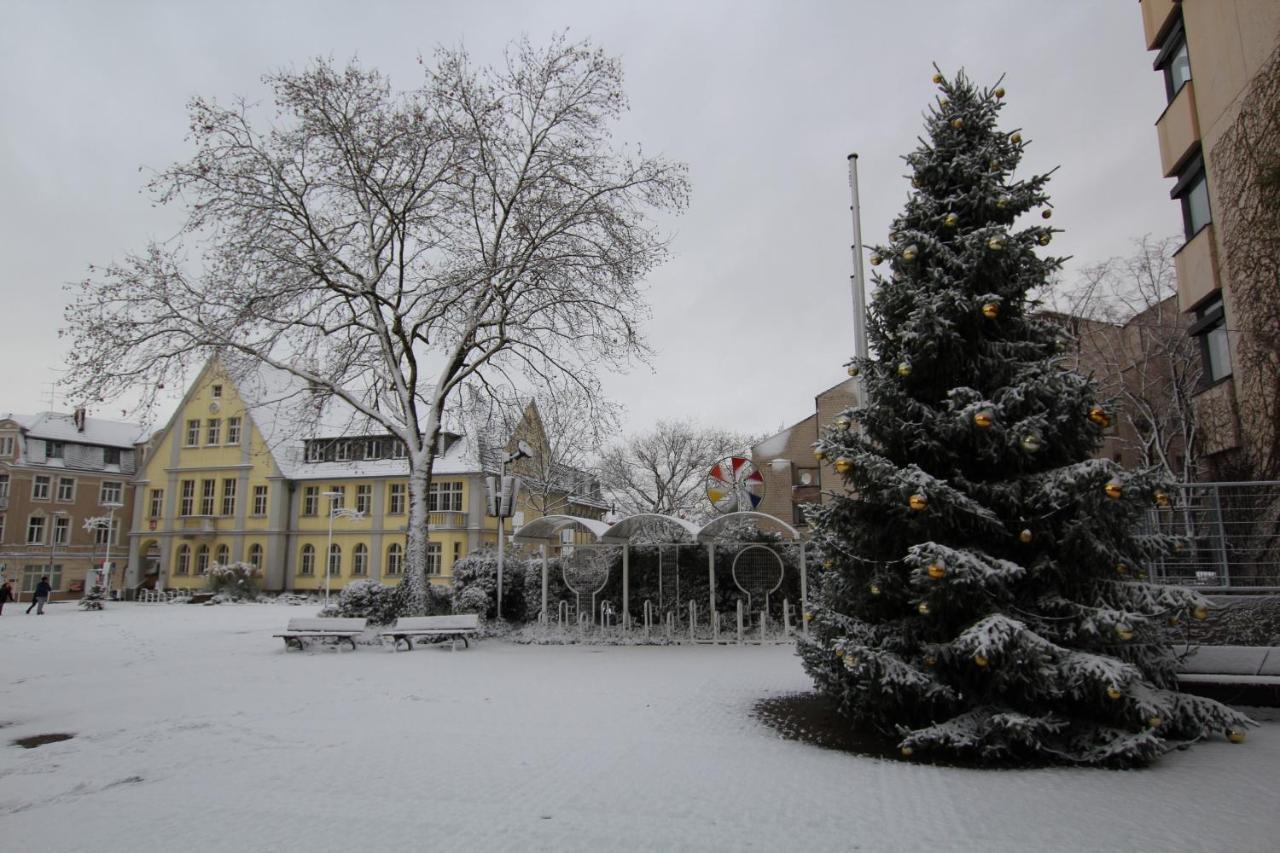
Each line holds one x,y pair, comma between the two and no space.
66,498
1218,134
260,470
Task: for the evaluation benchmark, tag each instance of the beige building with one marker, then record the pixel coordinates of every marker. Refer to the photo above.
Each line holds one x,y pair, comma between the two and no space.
1217,135
66,498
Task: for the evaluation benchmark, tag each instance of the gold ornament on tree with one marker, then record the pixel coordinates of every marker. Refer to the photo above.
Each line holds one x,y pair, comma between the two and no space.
910,253
1161,498
996,244
957,123
875,260
1235,735
930,661
1114,490
1025,536
1114,693
853,370
1004,200
904,368
842,422
1045,239
984,419
1046,214
819,454
844,465
999,92
980,660
937,571
1124,632
1122,569
1031,443
923,608
907,752
991,310
951,220
873,589
917,502
1016,139
937,79
1200,614
1099,416
1154,722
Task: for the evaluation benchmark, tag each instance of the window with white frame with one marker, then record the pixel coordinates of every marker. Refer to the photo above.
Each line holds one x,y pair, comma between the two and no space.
4,485
110,456
61,530
364,498
6,446
307,560
311,500
35,530
223,556
1,528
337,497
66,489
255,556
229,497
445,497
213,432
182,560
188,504
208,496
193,433
395,559
315,451
398,449
54,449
156,504
40,487
395,498
112,492
233,431
31,574
342,451
107,531
259,500
433,558
360,560
335,560
202,560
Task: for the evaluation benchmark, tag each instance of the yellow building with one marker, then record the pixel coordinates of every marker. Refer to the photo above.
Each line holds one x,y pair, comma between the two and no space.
261,470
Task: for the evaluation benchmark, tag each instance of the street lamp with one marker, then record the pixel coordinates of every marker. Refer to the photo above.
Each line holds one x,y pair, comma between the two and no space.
522,451
94,524
335,512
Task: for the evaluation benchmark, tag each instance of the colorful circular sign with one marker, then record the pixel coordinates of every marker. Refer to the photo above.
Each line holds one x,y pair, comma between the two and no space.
734,485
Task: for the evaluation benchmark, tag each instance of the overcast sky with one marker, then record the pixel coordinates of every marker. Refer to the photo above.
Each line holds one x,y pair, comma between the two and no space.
764,101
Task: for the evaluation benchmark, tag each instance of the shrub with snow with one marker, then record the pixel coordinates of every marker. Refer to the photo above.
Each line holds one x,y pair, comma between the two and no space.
369,599
235,581
479,571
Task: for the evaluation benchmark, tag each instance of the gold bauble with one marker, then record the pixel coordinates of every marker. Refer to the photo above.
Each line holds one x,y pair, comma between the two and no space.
808,617
840,653
1025,537
1046,214
944,103
909,254
844,465
907,752
1155,722
853,370
1235,735
1003,201
915,183
904,368
980,660
996,244
1124,632
842,422
937,78
923,608
1161,498
930,660
828,564
983,419
1122,569
994,166
1031,443
1174,623
991,310
1016,138
1200,614
917,502
1114,490
874,590
951,220
937,571
850,661
875,260
819,454
957,123
1114,693
999,92
1099,416
1045,239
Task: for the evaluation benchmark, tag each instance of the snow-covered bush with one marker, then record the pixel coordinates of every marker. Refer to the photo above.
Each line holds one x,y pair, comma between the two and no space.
479,570
236,581
369,599
472,599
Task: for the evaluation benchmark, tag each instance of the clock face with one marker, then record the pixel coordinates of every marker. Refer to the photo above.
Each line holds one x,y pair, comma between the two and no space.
734,485
806,478
215,406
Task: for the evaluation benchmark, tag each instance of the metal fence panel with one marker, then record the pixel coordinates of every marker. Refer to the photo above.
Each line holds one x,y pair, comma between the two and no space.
1229,534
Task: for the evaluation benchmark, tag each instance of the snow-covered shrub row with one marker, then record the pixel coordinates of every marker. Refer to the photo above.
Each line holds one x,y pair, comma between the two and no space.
476,575
235,581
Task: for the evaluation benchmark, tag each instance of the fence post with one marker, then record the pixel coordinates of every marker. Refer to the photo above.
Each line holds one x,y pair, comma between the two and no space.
693,619
739,621
1224,571
786,618
764,625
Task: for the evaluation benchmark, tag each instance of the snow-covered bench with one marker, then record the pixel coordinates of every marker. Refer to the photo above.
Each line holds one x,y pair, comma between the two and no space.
335,628
1250,674
456,627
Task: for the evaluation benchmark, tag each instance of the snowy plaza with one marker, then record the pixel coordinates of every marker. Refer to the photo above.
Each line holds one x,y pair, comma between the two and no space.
194,729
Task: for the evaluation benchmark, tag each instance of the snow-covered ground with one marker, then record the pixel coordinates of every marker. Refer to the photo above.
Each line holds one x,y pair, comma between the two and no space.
195,731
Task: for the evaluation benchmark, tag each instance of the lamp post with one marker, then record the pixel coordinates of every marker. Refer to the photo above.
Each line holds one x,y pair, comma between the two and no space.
522,451
95,524
334,512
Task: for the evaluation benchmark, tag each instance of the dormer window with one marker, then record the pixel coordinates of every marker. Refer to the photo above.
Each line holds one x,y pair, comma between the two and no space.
110,456
216,391
54,449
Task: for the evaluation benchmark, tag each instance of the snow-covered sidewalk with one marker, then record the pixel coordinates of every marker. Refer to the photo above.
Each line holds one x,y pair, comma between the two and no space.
195,731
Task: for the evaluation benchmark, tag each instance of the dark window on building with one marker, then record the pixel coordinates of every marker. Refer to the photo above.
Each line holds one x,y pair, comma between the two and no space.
1192,192
54,449
110,456
1173,61
1210,327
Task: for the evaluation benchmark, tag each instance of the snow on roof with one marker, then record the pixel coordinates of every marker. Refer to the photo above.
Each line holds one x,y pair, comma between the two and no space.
62,427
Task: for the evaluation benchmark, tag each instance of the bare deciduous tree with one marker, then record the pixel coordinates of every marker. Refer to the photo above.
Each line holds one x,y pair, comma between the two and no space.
387,247
664,470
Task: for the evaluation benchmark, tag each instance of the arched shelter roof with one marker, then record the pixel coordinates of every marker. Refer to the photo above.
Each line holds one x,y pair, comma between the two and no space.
713,529
622,531
549,527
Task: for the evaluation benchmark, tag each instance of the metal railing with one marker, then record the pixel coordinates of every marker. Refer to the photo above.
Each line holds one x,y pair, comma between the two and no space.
1229,535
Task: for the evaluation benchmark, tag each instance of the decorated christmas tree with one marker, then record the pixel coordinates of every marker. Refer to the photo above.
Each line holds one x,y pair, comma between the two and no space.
984,590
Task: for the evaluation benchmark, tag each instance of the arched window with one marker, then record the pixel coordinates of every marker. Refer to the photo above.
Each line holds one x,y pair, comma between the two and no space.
255,555
335,560
360,560
307,564
224,555
182,565
202,559
395,559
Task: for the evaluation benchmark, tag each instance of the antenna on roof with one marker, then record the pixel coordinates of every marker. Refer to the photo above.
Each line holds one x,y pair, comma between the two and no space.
53,387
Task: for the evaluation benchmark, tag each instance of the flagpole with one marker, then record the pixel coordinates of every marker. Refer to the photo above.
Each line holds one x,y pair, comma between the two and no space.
857,283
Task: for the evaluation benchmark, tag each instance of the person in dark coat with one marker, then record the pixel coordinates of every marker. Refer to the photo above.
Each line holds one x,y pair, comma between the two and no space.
42,596
6,594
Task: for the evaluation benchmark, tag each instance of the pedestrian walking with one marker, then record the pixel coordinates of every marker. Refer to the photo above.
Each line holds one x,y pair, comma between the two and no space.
6,593
42,596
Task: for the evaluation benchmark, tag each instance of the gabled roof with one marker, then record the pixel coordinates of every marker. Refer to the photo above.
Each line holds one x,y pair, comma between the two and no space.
56,426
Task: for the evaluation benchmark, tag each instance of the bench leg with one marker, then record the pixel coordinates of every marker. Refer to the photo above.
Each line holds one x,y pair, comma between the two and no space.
293,643
351,641
408,643
465,644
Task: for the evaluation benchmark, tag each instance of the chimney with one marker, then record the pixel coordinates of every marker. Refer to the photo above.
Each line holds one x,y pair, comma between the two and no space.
78,417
